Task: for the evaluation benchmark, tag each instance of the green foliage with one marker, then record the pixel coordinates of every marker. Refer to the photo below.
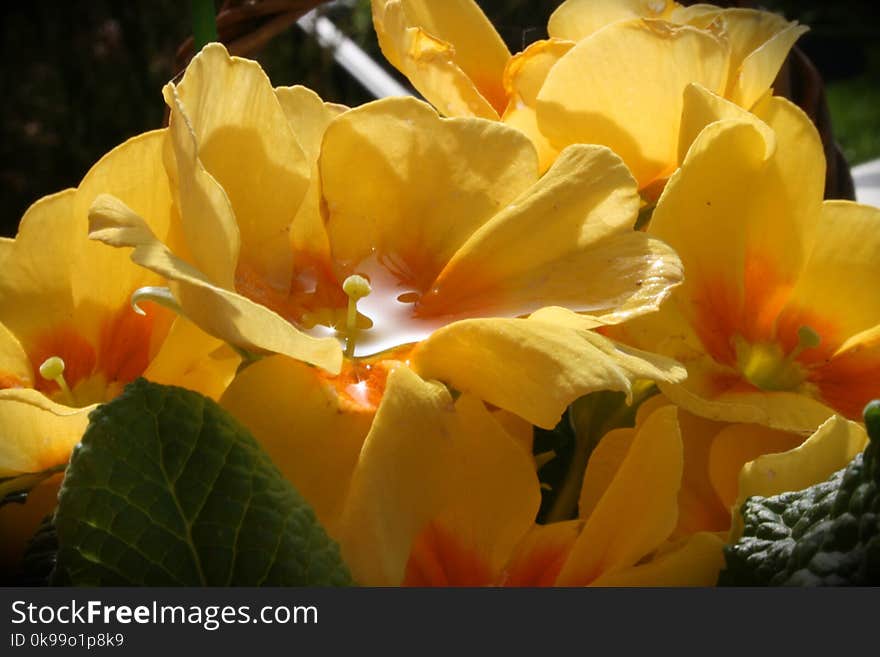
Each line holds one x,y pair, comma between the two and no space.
204,22
167,489
828,534
853,104
40,556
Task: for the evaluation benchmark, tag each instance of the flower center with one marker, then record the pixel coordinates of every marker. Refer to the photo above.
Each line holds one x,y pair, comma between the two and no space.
766,366
75,371
381,313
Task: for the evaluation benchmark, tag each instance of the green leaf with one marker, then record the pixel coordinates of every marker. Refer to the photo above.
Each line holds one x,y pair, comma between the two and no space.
167,489
204,23
40,556
828,534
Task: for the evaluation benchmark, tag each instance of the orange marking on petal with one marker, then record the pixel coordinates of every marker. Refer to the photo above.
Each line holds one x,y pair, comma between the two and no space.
538,561
10,381
729,382
652,191
849,381
359,384
717,319
439,558
76,352
789,323
126,341
765,294
313,288
723,313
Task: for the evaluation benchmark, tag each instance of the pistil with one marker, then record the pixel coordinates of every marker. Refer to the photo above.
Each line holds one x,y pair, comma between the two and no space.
52,369
765,366
356,287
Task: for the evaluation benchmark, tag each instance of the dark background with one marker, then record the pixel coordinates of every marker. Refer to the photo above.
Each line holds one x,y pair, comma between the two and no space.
80,76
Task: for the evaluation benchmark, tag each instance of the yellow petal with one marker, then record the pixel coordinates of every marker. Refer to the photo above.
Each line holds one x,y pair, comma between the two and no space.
38,434
699,15
603,465
309,117
133,172
523,79
448,50
638,510
242,137
540,555
842,273
735,446
829,449
798,163
706,218
532,368
432,182
35,288
696,561
716,394
622,87
567,241
217,311
15,367
702,107
833,297
699,507
576,19
307,423
427,459
760,42
191,358
518,429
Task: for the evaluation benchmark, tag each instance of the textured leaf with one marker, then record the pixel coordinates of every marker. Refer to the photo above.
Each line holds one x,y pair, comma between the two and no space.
828,534
167,489
40,556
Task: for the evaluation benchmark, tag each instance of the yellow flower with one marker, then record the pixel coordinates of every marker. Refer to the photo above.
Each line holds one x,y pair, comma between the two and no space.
726,463
69,338
443,496
456,237
778,319
612,71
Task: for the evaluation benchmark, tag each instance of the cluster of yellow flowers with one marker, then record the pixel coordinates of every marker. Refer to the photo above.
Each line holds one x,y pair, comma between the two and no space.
391,299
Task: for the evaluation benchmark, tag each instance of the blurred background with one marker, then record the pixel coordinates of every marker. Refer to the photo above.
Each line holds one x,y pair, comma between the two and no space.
80,76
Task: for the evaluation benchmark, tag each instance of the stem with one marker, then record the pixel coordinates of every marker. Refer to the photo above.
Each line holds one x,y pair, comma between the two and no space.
604,420
350,326
204,23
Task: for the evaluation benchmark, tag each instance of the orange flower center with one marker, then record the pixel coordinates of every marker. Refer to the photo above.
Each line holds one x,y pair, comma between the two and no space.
95,370
388,316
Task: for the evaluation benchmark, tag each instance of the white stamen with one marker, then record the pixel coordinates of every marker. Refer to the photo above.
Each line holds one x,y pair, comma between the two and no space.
158,295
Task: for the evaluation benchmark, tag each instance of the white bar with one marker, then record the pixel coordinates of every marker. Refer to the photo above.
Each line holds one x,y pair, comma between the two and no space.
867,180
350,57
